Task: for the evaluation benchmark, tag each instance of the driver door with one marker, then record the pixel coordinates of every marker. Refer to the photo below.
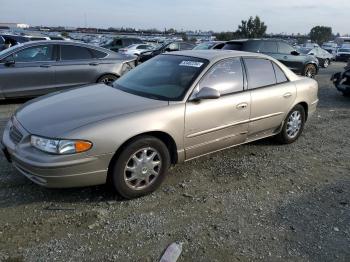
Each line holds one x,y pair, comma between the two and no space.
30,72
214,124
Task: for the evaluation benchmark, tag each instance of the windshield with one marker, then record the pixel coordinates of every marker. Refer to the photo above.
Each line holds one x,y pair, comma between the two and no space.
204,46
165,77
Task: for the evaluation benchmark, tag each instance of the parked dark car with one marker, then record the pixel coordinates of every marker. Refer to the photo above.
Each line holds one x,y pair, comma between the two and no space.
2,43
39,67
305,65
118,43
210,45
167,47
341,80
12,40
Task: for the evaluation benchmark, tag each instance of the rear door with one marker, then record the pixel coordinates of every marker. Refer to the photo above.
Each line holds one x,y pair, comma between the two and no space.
272,95
214,124
32,73
77,66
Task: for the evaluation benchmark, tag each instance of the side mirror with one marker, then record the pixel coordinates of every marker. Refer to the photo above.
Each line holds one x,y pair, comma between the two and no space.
206,93
311,54
294,53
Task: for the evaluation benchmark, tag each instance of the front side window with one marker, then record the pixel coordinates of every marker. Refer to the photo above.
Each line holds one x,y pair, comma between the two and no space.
225,76
269,47
71,52
40,53
285,48
260,72
165,77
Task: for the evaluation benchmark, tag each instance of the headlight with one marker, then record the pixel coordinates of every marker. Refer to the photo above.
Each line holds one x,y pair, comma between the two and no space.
58,146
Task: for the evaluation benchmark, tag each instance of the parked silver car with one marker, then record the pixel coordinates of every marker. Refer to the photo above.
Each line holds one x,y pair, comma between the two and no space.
36,68
324,58
174,108
135,49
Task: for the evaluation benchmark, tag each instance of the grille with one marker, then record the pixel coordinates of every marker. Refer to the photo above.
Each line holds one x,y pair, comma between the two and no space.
15,135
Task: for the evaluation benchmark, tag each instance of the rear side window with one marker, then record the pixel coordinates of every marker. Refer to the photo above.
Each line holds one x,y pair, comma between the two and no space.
225,76
97,54
70,52
280,76
260,72
2,40
269,47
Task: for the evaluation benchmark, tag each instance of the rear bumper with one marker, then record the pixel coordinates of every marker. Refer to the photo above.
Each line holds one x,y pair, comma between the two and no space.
55,171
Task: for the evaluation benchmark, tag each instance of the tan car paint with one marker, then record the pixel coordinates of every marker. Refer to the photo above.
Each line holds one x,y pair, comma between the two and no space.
195,127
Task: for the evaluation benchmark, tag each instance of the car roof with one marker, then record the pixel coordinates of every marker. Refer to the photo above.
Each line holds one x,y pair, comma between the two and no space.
214,55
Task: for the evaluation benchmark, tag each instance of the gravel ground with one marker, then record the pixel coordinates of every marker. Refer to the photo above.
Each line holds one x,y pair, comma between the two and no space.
260,201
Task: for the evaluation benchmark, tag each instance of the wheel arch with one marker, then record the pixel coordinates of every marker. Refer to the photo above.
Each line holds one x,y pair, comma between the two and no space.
106,74
167,139
306,108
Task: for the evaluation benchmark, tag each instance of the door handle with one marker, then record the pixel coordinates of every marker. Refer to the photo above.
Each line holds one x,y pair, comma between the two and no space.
285,57
242,106
45,66
287,95
93,64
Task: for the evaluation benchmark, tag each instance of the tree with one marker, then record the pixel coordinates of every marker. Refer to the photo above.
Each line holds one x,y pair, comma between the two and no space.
253,28
320,34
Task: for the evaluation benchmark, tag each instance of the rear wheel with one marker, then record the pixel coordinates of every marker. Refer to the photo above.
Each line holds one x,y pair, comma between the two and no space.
107,79
141,167
310,71
293,125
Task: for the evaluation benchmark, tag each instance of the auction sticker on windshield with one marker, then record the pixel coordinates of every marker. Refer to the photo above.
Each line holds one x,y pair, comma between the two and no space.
191,63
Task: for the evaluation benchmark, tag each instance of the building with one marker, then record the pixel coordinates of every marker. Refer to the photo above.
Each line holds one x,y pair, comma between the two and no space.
13,26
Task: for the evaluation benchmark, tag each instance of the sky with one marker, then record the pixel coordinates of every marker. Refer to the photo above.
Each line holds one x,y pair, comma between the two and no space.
281,16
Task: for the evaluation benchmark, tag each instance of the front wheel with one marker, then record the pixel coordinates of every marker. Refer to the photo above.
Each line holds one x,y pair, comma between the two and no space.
310,71
293,125
141,167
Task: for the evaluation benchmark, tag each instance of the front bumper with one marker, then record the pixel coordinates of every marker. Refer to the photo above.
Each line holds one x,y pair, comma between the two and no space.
54,171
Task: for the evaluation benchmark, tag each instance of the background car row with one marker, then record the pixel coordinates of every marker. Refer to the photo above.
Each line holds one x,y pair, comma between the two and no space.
39,67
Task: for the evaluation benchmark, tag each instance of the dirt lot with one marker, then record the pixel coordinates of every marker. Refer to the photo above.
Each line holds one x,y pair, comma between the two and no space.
260,201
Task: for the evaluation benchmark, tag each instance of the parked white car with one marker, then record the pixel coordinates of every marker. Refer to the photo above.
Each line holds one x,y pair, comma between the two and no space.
136,49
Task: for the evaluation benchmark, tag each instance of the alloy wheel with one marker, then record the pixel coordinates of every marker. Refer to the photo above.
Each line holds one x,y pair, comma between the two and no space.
142,168
294,123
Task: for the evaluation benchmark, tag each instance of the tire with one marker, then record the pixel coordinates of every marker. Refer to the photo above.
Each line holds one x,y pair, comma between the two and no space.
326,63
287,136
310,71
346,94
107,79
136,163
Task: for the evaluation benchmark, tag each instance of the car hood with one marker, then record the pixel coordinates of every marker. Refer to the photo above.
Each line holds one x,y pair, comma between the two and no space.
55,114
